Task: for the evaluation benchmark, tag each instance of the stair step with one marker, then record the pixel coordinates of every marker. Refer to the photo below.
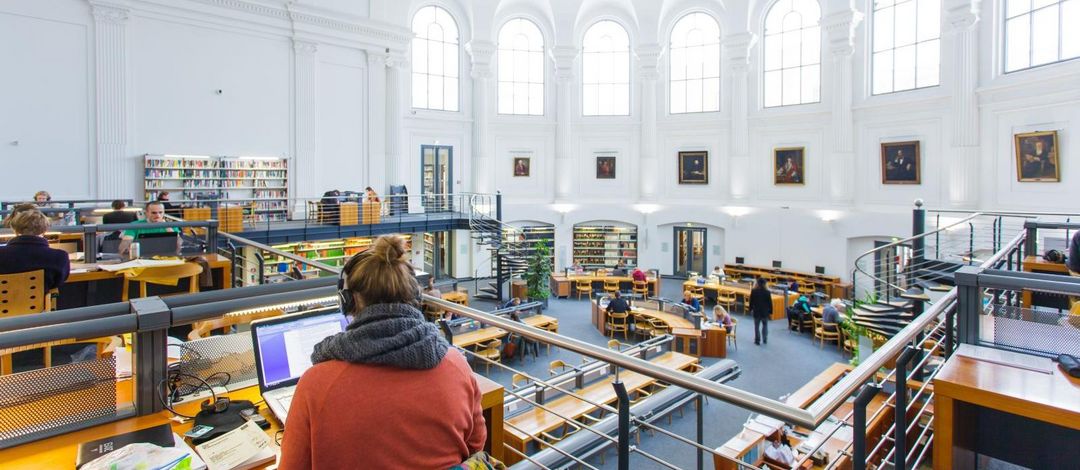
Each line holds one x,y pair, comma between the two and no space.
485,295
488,290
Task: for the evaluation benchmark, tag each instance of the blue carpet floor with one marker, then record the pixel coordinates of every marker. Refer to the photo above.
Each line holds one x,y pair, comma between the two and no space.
786,363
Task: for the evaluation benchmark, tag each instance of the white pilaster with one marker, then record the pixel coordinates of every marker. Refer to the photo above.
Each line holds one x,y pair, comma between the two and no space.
110,67
840,32
737,50
648,56
376,98
305,95
483,164
397,171
961,49
563,177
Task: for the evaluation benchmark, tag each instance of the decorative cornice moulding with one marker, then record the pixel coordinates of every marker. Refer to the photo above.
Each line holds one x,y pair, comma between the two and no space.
107,12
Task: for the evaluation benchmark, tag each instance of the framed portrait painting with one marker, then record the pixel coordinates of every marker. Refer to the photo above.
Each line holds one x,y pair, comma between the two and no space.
1037,157
521,166
788,165
605,168
901,163
694,167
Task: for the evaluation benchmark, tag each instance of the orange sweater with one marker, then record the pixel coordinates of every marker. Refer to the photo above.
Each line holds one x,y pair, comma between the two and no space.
347,415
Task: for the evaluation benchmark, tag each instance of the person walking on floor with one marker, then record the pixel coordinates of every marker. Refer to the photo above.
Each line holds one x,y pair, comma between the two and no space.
761,308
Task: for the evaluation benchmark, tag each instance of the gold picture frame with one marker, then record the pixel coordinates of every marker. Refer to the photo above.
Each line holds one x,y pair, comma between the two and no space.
901,162
789,166
1037,157
522,166
694,167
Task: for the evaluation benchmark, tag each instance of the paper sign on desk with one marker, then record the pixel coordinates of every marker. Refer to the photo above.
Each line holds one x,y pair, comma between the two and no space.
140,263
243,447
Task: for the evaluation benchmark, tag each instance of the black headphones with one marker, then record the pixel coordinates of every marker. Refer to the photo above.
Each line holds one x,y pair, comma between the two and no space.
219,406
1054,256
345,296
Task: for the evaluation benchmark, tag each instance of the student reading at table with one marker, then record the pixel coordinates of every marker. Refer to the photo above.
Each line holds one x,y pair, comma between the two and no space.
514,302
618,304
798,311
722,317
389,392
830,315
29,250
639,276
779,450
692,303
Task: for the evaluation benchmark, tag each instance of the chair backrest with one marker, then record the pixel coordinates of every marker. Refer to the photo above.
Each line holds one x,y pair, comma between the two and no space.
584,284
614,344
611,284
517,377
23,293
494,344
557,365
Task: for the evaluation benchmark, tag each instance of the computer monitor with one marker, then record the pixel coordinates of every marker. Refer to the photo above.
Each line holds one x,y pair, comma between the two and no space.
739,260
819,269
776,264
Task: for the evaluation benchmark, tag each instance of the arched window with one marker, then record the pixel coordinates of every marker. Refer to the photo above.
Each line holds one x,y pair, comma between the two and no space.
1039,32
792,53
606,63
907,44
521,68
435,60
695,65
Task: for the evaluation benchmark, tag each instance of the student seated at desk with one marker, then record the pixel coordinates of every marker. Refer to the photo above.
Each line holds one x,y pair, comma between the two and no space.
691,302
830,315
778,450
721,316
718,272
514,302
618,304
798,311
119,215
389,392
639,276
29,250
155,213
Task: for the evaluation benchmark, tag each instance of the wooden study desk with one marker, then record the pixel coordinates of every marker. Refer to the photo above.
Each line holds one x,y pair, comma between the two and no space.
89,285
833,286
527,426
460,298
1035,264
60,451
484,335
965,384
561,284
743,290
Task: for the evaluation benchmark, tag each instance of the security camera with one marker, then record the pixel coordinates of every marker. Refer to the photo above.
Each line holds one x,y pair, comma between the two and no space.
219,91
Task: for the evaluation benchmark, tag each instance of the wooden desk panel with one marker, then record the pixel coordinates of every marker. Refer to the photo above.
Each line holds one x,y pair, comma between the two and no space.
743,290
484,335
562,285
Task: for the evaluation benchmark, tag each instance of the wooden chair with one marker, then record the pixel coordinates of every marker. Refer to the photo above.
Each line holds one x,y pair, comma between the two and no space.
698,292
618,322
731,333
23,293
557,366
611,286
202,329
821,334
641,288
642,327
519,378
726,299
850,343
583,286
659,328
614,345
807,289
162,275
491,351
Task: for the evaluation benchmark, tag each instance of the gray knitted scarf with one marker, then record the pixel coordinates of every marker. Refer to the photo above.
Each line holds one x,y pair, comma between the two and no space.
393,335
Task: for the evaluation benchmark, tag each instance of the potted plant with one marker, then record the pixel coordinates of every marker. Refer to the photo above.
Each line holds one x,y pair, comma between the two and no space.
538,273
859,333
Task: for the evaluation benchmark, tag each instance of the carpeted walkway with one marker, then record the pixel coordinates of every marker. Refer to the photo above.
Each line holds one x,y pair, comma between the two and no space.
787,362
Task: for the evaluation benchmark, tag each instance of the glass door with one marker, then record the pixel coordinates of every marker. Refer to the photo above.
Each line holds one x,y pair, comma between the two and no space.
438,247
436,175
689,251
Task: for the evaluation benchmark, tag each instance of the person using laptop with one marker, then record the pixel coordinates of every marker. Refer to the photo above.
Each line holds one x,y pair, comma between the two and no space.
155,214
367,400
618,304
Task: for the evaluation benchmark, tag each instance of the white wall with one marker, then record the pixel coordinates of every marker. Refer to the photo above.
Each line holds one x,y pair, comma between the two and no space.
342,76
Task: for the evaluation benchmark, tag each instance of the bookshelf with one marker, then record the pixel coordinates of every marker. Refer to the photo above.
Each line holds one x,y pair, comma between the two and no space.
331,252
534,233
603,246
259,184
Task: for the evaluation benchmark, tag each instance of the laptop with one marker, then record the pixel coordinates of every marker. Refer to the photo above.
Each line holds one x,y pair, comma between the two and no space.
158,244
283,346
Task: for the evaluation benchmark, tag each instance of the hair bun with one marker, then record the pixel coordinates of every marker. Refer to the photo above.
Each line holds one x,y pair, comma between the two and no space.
390,248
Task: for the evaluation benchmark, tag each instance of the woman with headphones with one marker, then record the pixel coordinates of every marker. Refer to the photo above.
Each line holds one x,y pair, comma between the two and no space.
389,392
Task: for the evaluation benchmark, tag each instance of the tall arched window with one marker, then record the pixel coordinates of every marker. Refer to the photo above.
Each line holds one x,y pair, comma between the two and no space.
435,60
521,68
1039,32
695,65
792,53
606,63
907,44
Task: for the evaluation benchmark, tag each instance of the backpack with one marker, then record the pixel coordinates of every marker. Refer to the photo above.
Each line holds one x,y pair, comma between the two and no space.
511,347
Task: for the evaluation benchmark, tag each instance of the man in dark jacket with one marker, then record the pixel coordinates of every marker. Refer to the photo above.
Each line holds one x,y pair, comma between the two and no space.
761,307
1073,261
119,215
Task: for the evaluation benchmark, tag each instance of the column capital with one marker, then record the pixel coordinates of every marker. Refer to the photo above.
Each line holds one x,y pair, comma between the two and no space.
840,31
564,57
105,12
648,56
377,58
481,53
397,60
302,47
737,48
960,15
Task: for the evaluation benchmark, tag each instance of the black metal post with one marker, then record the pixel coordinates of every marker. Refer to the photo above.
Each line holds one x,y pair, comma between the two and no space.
950,323
90,243
149,352
1031,240
866,393
262,267
937,238
971,243
700,429
900,412
624,424
918,244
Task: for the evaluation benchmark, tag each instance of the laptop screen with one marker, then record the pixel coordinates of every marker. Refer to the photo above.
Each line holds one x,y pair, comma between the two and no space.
284,345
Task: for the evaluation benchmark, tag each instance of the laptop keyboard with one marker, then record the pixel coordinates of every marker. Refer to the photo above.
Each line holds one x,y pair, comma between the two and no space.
285,400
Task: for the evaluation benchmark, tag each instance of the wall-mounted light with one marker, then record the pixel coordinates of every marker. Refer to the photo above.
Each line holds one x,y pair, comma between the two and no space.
828,216
646,208
563,208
